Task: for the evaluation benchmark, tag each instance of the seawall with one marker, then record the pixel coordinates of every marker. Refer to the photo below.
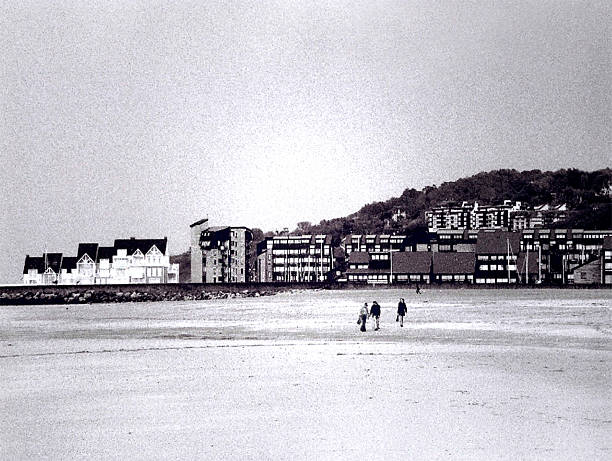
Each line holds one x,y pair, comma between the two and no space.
84,294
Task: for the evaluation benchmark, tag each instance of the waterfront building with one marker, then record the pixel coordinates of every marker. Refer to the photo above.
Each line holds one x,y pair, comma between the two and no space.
295,258
496,257
453,267
374,243
224,254
128,261
389,267
607,261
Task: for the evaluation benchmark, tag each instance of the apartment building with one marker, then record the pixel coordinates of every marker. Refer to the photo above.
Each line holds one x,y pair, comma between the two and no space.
561,251
374,243
295,258
496,257
224,254
450,216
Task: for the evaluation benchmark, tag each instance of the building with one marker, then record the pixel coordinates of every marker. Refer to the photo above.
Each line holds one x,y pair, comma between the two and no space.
295,258
453,267
587,273
197,257
33,270
374,243
127,261
224,254
496,257
449,216
448,240
507,216
607,261
389,267
411,267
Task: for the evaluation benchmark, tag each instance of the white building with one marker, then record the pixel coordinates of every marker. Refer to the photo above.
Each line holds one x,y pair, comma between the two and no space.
128,261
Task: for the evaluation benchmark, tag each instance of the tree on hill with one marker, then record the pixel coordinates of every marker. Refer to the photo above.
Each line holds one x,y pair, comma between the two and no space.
587,194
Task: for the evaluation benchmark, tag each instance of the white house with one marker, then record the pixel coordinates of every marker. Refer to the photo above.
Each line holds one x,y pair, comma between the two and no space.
127,261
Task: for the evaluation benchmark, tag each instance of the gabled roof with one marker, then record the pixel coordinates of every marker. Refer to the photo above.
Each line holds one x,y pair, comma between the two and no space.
454,263
411,262
497,242
34,262
69,262
90,248
144,245
52,260
105,253
359,257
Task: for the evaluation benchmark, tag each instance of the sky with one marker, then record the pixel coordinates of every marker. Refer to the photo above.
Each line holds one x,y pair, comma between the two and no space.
137,118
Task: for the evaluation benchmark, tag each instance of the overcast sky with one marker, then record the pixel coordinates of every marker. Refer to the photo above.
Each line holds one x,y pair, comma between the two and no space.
137,118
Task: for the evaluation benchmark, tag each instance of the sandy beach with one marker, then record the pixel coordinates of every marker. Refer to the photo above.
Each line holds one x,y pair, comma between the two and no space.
491,374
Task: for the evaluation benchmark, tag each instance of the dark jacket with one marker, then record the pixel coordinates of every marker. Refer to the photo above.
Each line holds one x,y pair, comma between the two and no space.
375,310
401,308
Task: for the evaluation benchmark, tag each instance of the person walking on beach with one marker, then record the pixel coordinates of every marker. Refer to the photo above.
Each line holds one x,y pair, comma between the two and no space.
375,312
401,311
363,316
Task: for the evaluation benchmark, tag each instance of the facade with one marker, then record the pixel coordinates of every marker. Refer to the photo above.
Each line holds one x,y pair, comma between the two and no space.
389,267
128,261
490,256
496,257
448,240
374,243
224,254
507,216
295,258
467,216
450,216
561,251
606,263
588,273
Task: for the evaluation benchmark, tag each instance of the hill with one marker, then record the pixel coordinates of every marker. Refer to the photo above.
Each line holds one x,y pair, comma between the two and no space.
587,195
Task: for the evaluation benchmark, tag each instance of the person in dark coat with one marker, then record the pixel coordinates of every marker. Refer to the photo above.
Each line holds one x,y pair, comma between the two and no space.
363,316
401,311
375,313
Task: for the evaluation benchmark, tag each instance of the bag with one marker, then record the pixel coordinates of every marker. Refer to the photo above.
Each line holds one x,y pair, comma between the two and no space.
359,321
397,318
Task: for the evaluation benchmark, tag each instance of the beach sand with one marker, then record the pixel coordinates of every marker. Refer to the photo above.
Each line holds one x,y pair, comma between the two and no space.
474,374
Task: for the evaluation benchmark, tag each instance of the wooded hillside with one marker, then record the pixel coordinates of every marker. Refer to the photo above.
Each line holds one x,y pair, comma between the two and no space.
587,195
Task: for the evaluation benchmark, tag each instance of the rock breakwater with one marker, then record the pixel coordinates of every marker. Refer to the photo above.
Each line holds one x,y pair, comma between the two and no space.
90,296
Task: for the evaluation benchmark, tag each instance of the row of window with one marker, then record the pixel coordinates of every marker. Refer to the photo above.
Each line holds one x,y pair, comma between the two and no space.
300,251
496,257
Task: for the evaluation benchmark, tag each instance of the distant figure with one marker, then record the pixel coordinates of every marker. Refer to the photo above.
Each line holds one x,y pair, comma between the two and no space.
418,289
401,311
363,316
375,312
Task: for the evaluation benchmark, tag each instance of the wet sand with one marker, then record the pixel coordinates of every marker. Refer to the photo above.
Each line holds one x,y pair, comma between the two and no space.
472,375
